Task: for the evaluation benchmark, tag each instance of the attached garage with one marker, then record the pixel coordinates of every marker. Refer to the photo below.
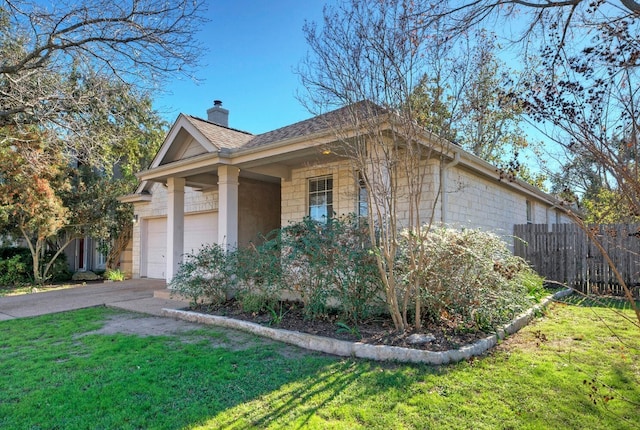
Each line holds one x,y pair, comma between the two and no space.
199,229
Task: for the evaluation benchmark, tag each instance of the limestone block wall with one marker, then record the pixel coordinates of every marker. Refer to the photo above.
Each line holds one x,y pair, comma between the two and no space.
345,191
470,200
258,210
126,260
429,204
295,191
476,202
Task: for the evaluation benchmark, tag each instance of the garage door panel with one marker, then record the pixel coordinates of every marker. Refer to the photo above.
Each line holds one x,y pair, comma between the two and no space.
200,230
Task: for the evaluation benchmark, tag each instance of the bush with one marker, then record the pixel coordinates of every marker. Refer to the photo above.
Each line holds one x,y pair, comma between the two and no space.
331,266
259,275
469,280
206,278
114,275
20,271
13,272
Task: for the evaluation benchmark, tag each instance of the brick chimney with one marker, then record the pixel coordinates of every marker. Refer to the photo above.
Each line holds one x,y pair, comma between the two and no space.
217,114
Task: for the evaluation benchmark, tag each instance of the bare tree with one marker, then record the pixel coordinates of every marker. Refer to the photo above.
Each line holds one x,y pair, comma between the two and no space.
62,63
584,94
366,58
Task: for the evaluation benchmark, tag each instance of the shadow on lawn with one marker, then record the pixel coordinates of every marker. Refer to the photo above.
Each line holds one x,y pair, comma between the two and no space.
295,404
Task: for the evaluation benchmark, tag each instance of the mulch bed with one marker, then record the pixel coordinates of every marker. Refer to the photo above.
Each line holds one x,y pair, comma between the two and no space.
375,331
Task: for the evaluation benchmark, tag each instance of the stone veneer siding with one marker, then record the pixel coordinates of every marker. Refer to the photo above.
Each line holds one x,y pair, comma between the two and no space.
472,201
295,191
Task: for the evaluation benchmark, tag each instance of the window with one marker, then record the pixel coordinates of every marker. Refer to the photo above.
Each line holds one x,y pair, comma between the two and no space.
101,256
529,213
363,198
321,198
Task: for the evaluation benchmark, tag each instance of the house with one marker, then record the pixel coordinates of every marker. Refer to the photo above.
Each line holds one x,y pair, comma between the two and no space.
212,183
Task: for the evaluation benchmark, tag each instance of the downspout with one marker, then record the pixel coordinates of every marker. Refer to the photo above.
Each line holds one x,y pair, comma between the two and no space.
443,187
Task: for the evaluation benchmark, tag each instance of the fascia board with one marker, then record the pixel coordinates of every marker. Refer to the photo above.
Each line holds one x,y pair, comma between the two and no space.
177,167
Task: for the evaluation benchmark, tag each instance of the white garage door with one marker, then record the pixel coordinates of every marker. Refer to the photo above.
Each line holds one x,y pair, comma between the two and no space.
199,229
156,248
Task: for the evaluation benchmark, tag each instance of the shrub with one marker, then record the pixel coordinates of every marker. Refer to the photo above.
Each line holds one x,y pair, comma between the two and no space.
206,277
259,275
469,280
13,271
331,266
114,275
22,266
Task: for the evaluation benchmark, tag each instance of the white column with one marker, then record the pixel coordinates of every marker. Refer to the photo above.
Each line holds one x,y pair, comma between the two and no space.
175,225
228,206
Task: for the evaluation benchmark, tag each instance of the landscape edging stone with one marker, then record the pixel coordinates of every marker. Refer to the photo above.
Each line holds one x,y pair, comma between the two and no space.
372,352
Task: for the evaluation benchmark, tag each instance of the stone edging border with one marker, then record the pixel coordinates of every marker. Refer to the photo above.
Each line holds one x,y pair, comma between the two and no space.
372,352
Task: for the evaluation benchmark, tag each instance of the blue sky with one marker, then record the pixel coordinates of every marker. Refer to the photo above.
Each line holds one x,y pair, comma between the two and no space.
253,50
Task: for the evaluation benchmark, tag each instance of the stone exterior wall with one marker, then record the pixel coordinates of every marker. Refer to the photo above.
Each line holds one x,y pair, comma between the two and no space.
258,210
476,202
294,192
471,201
126,260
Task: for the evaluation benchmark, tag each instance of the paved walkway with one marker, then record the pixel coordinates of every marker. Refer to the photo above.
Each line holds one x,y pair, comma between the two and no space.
135,295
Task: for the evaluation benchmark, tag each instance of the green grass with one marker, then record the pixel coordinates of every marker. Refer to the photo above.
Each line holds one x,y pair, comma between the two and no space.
557,373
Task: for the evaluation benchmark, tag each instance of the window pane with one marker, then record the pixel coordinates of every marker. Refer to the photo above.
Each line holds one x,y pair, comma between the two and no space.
363,199
317,213
320,198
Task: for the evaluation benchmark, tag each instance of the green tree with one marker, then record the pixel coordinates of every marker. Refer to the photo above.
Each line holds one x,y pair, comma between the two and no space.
30,205
80,199
75,75
469,96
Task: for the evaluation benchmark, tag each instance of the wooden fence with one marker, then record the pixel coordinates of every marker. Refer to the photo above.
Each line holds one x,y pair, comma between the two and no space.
564,253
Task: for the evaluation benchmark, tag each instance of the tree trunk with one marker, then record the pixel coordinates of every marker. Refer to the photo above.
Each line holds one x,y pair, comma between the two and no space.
119,246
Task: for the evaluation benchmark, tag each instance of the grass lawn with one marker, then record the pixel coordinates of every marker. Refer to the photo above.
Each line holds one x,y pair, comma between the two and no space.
577,367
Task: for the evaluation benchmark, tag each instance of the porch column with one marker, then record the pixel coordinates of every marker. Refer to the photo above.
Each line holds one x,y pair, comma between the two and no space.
228,206
175,225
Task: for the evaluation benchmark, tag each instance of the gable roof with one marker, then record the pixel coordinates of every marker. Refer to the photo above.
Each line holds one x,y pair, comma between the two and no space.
218,135
220,141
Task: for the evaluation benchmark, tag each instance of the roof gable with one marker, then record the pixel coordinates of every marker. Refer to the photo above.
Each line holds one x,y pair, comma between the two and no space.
190,136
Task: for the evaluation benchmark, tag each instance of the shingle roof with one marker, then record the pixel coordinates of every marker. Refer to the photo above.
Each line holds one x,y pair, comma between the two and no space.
221,137
225,137
316,124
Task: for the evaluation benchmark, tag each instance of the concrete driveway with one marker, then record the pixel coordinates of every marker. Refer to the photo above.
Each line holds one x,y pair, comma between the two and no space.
134,295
